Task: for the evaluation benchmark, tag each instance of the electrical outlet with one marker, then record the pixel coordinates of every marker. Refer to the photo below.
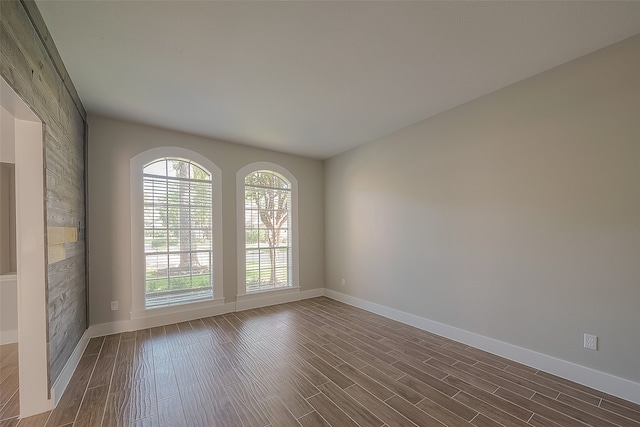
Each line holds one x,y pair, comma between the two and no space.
114,305
590,341
344,283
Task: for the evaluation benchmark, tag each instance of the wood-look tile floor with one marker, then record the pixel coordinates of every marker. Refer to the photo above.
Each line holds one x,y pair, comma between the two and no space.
9,397
315,363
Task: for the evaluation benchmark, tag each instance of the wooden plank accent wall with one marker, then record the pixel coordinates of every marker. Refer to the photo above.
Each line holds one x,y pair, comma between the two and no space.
30,63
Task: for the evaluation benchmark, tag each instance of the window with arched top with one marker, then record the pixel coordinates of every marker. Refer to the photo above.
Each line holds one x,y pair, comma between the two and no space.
176,247
267,201
178,224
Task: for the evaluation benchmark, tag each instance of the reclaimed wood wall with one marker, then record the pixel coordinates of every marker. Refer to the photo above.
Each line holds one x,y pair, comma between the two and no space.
30,63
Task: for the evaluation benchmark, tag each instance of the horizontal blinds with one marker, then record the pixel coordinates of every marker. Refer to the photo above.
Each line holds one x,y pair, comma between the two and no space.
177,240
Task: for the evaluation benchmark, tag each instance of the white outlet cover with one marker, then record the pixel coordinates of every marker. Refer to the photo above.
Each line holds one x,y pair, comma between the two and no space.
114,305
590,342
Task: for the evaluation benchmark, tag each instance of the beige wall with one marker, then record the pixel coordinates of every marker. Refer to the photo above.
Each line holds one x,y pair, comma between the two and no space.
8,256
7,137
7,193
8,309
515,216
113,143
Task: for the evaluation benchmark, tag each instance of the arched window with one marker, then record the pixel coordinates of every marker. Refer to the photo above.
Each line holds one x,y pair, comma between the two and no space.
268,220
180,240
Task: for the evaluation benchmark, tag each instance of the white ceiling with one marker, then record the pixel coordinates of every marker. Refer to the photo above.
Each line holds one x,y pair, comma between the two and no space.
314,78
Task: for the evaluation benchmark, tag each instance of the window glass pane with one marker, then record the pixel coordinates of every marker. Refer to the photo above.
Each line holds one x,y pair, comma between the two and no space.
156,266
159,167
199,173
155,241
173,216
263,238
177,168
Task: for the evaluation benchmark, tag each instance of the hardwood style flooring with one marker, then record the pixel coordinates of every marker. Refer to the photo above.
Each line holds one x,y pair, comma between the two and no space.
9,398
312,363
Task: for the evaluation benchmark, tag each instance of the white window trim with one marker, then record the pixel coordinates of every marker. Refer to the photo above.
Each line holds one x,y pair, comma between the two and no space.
137,163
240,195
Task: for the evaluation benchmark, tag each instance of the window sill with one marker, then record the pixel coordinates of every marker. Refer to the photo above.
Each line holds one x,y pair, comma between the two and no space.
180,308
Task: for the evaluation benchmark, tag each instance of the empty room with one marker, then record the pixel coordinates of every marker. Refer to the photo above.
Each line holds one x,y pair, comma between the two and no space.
319,213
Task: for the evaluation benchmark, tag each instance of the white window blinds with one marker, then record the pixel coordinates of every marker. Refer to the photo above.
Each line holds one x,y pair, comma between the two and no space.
178,242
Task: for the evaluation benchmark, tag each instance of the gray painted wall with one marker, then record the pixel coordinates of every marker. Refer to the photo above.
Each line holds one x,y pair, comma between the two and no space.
112,144
30,63
515,216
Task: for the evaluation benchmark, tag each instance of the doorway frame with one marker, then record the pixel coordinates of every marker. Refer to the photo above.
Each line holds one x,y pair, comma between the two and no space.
34,383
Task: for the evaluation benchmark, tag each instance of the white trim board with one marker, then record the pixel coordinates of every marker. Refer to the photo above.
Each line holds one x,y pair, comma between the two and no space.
598,380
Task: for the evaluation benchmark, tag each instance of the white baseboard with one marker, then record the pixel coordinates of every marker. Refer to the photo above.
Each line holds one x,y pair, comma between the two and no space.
120,326
247,302
313,293
598,380
69,368
9,337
